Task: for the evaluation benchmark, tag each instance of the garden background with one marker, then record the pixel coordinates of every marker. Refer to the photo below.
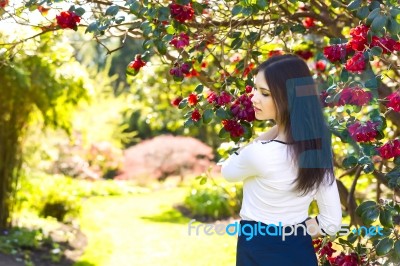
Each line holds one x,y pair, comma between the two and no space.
114,115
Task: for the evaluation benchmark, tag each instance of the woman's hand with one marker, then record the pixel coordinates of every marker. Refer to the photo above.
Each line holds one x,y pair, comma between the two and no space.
313,228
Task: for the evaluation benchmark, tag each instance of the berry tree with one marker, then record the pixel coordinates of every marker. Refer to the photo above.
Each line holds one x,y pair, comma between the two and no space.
351,46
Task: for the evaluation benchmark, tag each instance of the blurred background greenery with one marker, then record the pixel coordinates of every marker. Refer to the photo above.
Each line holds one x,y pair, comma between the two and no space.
90,188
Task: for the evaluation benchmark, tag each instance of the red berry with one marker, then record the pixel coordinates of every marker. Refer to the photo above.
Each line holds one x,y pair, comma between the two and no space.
196,115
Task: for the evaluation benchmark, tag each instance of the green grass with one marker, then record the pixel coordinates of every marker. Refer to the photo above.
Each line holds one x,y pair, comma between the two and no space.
144,230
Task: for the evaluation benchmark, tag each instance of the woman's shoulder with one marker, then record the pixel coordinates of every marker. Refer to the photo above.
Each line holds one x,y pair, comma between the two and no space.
271,144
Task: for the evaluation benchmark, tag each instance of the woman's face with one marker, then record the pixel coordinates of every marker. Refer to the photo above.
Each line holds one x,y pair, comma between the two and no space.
263,103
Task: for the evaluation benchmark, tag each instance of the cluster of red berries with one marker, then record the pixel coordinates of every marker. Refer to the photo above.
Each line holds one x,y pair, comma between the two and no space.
68,19
390,149
179,70
181,13
359,44
339,260
363,132
350,95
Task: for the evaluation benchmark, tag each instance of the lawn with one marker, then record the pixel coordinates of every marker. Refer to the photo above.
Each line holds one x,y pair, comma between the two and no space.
144,229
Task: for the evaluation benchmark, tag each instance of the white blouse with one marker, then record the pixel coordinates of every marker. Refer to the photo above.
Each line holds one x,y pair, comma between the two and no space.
268,193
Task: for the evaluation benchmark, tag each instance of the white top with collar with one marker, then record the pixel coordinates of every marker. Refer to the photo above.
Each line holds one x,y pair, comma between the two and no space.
267,174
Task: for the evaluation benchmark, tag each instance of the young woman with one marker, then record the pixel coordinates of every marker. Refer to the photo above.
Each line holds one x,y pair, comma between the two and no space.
284,170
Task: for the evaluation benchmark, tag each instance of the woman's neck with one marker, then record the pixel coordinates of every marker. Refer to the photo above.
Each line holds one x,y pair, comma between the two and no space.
281,136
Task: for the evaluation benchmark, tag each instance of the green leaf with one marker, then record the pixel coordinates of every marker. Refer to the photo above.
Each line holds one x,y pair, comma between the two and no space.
92,27
203,180
349,162
372,15
370,215
147,44
364,160
183,103
152,13
112,10
199,89
393,27
221,113
170,29
80,11
298,28
252,37
374,4
223,134
167,38
397,248
198,8
135,7
394,12
384,246
163,13
247,130
161,47
365,206
352,238
368,168
208,116
183,2
385,218
344,75
354,5
376,51
372,83
247,11
119,19
278,30
188,123
262,4
378,23
369,149
237,10
236,43
363,12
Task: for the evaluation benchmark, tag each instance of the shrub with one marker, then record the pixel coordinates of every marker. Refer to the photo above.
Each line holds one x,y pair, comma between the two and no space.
214,200
166,155
100,160
63,207
60,196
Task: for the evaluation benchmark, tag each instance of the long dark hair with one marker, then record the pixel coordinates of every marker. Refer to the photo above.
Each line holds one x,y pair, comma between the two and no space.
299,111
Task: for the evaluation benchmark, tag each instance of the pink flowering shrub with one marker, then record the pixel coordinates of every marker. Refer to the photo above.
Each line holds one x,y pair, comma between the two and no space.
164,156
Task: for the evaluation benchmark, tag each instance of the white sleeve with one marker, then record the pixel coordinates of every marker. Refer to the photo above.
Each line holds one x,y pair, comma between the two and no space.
330,209
239,166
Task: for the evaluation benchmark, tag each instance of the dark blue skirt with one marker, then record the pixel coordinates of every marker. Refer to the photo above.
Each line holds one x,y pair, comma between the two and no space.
270,249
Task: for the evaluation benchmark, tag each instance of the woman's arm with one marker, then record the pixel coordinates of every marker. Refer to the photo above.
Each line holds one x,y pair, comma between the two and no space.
329,218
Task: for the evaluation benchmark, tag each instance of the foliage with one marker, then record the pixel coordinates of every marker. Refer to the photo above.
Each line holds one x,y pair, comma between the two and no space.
166,155
214,201
25,98
40,193
99,160
36,246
